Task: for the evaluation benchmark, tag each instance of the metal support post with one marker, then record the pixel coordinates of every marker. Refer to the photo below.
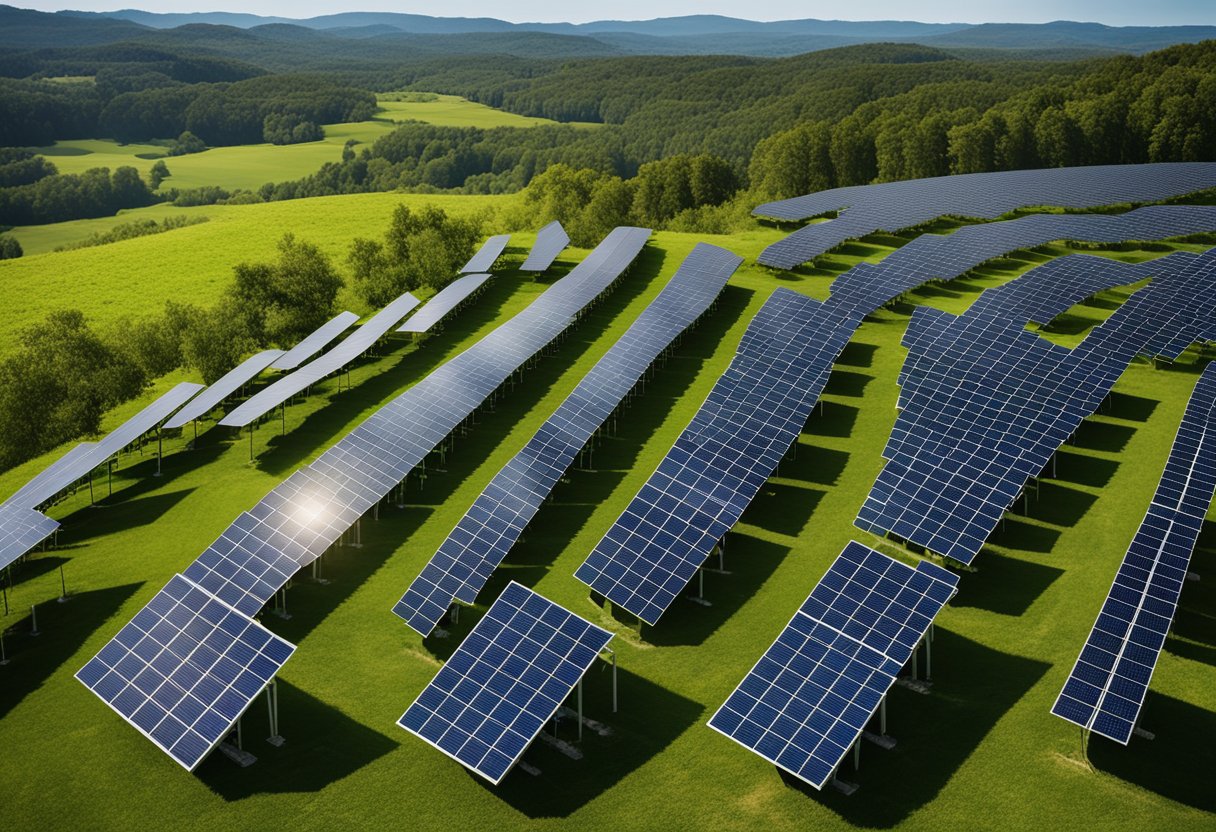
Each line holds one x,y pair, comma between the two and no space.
929,658
580,709
34,620
612,653
882,716
857,754
160,451
63,586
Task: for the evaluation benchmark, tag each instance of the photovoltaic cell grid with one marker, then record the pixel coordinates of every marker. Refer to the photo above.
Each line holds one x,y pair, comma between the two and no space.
1106,688
550,241
78,462
505,681
989,413
895,205
808,698
440,306
228,384
475,548
947,256
300,518
184,670
316,341
350,348
484,259
21,529
732,445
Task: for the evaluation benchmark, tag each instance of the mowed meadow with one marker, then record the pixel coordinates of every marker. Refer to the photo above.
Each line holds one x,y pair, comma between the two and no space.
248,167
980,751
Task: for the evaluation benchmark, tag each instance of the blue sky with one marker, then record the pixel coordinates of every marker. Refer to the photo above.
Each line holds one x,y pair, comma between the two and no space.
1112,12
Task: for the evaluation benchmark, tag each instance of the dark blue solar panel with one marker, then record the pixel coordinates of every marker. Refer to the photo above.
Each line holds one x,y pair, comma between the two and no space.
482,538
505,681
808,698
184,670
1106,688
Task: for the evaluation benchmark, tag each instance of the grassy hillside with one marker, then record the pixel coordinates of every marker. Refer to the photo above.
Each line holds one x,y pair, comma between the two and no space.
980,752
251,166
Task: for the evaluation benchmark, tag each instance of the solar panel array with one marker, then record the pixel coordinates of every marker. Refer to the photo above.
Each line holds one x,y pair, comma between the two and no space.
490,251
550,241
81,460
505,681
947,256
21,529
894,205
304,515
229,383
316,341
988,414
351,347
185,669
444,302
474,549
808,698
1106,688
747,424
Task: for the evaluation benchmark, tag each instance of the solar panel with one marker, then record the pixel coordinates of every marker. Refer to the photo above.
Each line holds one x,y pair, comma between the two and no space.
185,669
752,416
987,415
484,259
474,549
505,681
550,241
229,383
81,460
21,529
350,348
306,513
1107,686
895,205
808,698
316,341
440,306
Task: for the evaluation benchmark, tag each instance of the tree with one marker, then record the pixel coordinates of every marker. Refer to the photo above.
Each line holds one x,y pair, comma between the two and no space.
159,173
286,300
187,143
10,249
420,248
215,340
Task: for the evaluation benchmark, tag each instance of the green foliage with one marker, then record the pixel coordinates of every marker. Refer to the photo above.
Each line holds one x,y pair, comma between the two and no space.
158,173
10,249
131,230
186,143
57,386
290,128
213,341
420,248
21,167
286,300
94,193
679,183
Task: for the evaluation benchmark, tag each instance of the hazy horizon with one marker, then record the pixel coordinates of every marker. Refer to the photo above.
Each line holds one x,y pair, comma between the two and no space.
1116,13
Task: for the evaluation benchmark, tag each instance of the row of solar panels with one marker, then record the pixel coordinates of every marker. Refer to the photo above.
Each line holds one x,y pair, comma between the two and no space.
294,524
1106,688
896,205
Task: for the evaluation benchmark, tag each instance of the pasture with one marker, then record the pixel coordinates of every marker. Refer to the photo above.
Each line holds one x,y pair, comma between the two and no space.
980,751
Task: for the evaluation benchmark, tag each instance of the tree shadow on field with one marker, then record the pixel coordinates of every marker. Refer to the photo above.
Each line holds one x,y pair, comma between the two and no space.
323,746
973,687
649,719
62,628
1004,585
1177,764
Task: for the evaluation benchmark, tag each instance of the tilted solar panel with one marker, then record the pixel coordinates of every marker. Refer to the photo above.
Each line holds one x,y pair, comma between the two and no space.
550,241
440,306
21,529
228,384
316,341
808,698
490,251
504,682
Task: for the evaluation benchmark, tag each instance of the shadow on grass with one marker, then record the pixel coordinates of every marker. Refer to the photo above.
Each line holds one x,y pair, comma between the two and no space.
831,419
750,561
1004,585
323,746
650,718
125,510
1178,764
62,629
812,464
782,508
1083,469
847,383
973,687
857,355
1102,436
1056,504
1015,533
1132,408
1192,634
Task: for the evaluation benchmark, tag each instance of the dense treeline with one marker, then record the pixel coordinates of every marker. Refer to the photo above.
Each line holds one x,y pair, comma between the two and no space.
94,193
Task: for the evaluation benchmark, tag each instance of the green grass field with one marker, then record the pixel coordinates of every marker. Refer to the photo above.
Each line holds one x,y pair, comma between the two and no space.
980,752
251,166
